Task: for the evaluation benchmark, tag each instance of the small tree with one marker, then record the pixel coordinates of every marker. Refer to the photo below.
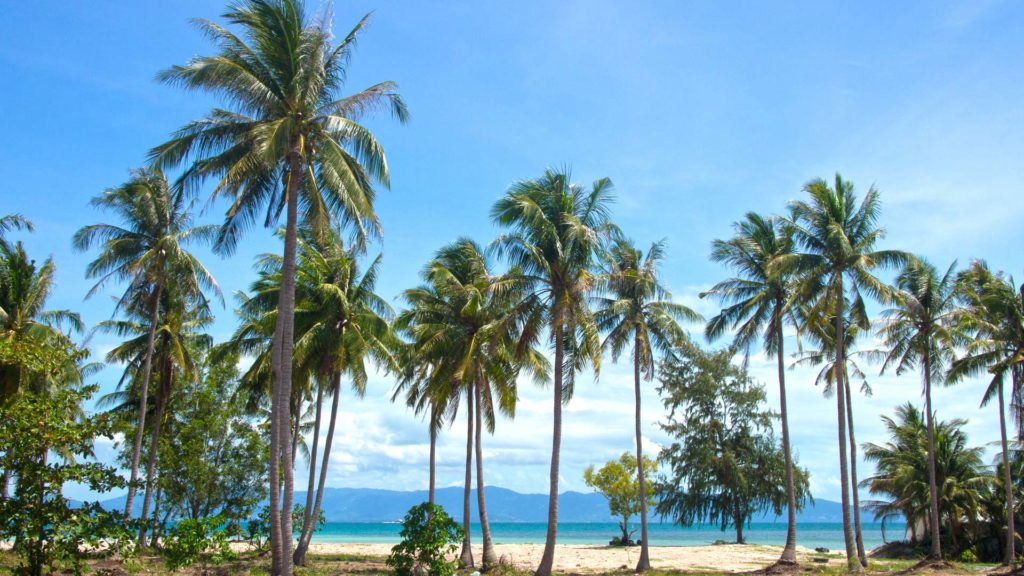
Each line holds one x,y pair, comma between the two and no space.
617,481
429,535
725,465
197,539
46,442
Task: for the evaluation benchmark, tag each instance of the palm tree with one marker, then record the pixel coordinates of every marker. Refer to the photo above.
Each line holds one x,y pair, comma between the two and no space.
902,471
638,312
289,134
992,314
758,303
148,252
556,229
917,332
13,222
462,321
838,239
179,338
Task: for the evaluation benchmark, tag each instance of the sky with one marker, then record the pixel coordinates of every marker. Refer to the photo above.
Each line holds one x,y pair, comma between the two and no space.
697,111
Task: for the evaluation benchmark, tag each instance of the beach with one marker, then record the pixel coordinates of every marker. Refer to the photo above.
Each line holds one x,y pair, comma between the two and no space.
593,558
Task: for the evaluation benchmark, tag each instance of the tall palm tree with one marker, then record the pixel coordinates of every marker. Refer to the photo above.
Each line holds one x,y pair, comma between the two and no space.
148,252
289,134
179,338
555,233
637,312
757,306
837,237
463,321
918,335
10,222
992,314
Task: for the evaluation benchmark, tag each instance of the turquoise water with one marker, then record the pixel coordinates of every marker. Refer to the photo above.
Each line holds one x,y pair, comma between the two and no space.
811,535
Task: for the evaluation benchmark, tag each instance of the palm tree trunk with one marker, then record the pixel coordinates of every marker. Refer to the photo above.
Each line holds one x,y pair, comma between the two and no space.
853,480
147,369
1010,557
466,556
490,557
547,560
852,561
311,481
296,428
644,562
789,551
936,532
156,515
282,372
307,529
158,419
431,494
274,504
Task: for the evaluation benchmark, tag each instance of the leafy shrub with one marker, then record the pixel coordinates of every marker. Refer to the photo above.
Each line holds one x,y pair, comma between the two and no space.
428,534
200,539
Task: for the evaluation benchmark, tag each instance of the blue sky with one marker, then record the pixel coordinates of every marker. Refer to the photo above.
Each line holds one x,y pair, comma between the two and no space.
697,111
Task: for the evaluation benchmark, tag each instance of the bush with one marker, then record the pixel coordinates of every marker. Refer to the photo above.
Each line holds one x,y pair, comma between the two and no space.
428,534
192,540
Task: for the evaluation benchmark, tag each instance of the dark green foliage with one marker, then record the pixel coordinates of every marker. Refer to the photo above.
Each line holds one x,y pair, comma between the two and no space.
428,535
195,539
725,464
618,482
47,442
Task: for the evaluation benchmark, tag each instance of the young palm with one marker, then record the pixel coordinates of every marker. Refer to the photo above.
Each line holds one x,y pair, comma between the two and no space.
556,229
838,237
289,135
179,337
148,252
992,314
757,306
638,313
918,334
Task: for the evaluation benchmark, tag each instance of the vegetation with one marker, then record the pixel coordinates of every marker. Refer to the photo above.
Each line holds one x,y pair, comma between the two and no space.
619,482
428,537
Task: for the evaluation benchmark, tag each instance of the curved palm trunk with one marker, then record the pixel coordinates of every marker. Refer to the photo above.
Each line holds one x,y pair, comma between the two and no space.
466,556
936,531
490,557
296,429
307,529
147,370
158,419
1010,556
852,562
789,551
644,562
281,369
853,481
433,456
274,503
311,481
547,560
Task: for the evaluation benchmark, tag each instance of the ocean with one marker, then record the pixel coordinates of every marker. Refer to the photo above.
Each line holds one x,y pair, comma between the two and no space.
810,534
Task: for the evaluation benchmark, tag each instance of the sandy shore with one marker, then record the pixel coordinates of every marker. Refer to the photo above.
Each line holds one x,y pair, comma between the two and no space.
584,558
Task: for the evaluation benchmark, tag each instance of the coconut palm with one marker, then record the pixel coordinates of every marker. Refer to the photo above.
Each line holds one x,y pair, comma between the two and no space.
148,252
992,314
757,306
638,313
462,321
288,134
10,222
179,337
837,237
555,234
918,335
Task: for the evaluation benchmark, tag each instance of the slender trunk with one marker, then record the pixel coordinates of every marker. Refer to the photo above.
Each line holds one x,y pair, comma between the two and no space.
936,531
5,485
737,520
852,562
466,556
644,562
853,480
283,370
490,557
1010,557
547,560
274,504
433,456
296,428
147,369
307,530
158,419
156,516
310,485
789,551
